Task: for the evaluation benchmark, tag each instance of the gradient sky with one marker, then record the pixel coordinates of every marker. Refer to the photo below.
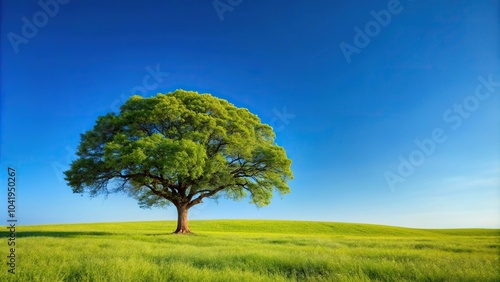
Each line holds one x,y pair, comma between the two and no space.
347,119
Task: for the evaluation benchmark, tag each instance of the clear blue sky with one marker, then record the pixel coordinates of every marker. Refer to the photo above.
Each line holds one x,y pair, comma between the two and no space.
347,89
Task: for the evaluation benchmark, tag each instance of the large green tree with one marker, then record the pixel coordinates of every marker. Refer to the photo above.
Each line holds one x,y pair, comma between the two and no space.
180,148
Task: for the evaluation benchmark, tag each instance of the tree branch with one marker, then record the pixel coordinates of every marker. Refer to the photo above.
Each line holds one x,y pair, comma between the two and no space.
206,193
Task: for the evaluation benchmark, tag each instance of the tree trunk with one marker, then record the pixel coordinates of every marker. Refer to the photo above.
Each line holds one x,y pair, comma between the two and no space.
182,220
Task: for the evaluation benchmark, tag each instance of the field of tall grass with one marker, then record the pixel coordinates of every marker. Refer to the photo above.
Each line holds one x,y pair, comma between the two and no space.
251,250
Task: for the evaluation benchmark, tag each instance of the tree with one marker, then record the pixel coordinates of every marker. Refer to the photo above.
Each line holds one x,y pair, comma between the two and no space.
180,148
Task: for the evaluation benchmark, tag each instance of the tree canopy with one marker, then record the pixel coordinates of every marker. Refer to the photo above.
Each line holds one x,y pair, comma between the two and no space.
179,148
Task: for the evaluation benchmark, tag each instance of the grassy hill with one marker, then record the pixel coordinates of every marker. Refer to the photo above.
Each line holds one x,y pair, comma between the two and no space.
253,250
264,226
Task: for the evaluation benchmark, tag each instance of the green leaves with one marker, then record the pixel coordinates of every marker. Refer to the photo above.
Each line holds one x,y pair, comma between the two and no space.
168,158
181,147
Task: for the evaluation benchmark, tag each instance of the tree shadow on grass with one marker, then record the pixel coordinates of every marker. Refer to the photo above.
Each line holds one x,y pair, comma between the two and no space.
173,234
58,234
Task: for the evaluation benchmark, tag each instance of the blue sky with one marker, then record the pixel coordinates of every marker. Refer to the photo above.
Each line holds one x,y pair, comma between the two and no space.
348,117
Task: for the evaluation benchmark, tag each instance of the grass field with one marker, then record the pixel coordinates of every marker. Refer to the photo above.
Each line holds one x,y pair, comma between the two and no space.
251,250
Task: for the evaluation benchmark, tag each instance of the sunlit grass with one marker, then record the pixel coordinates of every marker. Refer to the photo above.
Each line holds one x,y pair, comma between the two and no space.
253,250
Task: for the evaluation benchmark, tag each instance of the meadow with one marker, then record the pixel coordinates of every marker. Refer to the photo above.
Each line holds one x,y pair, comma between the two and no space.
251,250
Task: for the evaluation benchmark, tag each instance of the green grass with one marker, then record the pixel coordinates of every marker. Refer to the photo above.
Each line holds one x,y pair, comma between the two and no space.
252,250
